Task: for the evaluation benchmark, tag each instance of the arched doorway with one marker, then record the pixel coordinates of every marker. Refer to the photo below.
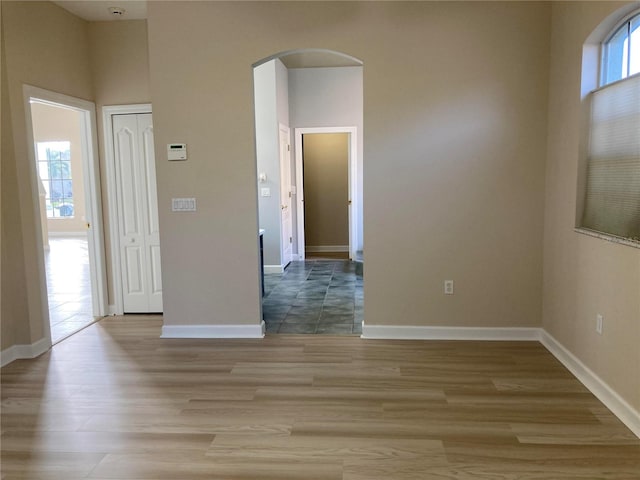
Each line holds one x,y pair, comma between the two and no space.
297,93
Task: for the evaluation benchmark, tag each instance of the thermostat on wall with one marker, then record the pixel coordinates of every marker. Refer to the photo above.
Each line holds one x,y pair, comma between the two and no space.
177,151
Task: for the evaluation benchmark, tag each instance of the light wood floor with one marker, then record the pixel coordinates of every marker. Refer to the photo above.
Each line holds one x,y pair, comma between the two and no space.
117,402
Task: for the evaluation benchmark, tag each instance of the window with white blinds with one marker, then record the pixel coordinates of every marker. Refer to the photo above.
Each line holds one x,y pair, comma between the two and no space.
612,203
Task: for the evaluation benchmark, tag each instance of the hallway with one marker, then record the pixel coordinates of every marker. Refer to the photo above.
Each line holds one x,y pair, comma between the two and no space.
314,297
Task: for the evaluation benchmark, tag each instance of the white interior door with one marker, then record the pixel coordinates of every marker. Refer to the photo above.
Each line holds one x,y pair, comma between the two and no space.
286,222
137,213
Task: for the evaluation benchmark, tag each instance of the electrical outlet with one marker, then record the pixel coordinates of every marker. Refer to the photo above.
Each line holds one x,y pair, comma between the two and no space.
448,287
599,322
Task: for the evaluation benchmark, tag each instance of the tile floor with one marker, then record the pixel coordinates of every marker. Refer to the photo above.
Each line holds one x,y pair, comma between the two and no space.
68,286
314,296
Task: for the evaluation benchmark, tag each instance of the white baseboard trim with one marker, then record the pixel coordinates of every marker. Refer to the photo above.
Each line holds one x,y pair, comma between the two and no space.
17,352
67,234
620,408
326,248
393,332
213,331
273,269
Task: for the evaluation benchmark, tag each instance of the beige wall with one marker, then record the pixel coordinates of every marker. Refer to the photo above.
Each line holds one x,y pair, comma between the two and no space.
3,81
14,297
120,73
3,71
326,189
51,124
454,149
119,62
47,47
584,276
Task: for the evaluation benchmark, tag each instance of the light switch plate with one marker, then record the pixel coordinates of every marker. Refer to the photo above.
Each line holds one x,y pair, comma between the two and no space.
183,204
265,192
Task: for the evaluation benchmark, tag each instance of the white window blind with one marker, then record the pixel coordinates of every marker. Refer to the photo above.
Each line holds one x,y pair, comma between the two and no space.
612,203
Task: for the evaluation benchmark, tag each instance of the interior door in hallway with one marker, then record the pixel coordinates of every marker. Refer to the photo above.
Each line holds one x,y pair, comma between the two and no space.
137,201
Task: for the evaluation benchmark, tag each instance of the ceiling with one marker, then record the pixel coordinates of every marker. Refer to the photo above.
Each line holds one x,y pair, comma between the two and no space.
98,10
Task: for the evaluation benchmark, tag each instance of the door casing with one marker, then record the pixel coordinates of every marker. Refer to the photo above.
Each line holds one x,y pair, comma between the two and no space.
117,308
93,197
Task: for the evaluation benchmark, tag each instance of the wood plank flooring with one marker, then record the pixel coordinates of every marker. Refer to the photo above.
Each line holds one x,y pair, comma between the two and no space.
117,402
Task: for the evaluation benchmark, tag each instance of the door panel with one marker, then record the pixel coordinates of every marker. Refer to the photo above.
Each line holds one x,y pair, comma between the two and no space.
152,235
138,212
148,156
127,181
134,284
156,278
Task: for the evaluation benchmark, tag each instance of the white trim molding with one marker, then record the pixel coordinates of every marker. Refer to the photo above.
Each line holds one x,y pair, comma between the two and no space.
620,408
402,332
273,269
326,248
213,331
67,234
17,352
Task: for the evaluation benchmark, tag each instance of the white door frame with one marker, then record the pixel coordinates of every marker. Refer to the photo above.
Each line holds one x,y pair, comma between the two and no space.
93,196
353,184
107,124
282,128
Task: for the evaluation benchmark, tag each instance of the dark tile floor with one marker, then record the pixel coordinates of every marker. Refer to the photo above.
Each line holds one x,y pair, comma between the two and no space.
314,296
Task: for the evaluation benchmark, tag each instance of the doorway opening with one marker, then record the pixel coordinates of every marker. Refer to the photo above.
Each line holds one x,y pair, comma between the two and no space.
326,165
307,93
132,186
66,187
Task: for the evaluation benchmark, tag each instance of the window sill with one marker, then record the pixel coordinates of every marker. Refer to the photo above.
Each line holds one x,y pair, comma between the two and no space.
607,237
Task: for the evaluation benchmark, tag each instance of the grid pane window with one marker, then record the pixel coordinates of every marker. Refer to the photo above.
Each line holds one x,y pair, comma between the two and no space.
54,168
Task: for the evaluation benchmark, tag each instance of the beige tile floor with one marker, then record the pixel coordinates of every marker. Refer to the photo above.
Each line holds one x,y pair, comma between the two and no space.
68,286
